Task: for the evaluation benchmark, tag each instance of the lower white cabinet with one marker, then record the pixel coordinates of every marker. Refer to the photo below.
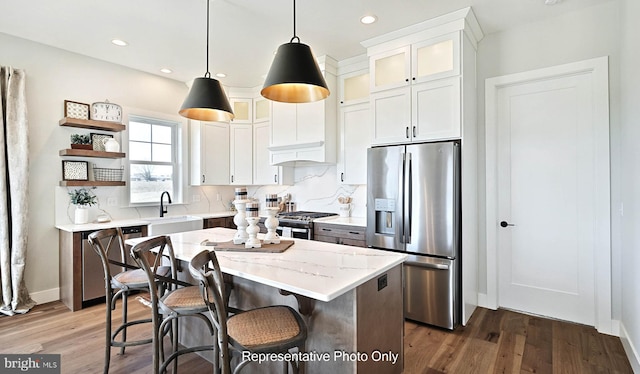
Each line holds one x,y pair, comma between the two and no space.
241,154
209,150
354,139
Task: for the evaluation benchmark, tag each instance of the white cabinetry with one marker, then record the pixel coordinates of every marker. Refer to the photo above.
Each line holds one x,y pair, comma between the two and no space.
209,149
263,172
354,141
354,120
416,90
242,109
306,132
241,154
423,84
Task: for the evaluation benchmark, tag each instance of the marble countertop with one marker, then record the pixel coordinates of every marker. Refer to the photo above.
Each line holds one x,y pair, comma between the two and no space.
93,226
318,270
347,221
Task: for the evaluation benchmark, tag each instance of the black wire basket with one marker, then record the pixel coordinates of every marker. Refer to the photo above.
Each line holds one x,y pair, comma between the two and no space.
107,175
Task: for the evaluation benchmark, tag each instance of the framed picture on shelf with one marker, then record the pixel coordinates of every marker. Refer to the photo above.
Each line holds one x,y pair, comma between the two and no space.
75,170
74,109
97,140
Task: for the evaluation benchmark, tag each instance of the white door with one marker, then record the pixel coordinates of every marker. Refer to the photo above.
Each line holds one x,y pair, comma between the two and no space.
552,183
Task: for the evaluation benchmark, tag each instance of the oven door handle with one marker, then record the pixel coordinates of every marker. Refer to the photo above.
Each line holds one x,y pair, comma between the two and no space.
294,229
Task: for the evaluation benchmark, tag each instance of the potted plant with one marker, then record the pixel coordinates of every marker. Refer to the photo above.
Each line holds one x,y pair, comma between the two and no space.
82,199
81,141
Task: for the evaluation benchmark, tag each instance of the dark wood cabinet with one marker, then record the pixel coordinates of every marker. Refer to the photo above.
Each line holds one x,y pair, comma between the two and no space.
339,234
72,246
218,222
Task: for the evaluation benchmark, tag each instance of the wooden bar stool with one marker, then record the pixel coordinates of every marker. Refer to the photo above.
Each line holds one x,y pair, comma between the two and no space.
171,300
270,329
120,285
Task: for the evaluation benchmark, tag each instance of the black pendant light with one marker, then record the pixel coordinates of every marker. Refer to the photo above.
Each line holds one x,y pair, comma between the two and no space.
206,100
295,76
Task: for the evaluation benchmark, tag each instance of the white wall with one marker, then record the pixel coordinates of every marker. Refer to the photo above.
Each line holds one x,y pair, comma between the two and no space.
580,35
630,180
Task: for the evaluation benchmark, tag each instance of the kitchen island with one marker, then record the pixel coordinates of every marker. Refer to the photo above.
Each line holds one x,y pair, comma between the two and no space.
350,298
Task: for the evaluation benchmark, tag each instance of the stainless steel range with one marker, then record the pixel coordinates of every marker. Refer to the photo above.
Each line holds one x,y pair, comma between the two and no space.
297,224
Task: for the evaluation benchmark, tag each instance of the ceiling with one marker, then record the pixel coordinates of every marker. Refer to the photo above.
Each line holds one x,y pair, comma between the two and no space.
244,33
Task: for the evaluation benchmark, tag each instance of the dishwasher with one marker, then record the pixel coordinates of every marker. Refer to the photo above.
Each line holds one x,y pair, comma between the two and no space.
92,273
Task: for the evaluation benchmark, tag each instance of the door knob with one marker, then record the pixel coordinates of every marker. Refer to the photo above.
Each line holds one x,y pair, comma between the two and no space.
505,224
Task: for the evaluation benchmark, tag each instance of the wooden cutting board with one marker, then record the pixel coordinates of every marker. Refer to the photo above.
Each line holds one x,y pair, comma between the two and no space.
266,248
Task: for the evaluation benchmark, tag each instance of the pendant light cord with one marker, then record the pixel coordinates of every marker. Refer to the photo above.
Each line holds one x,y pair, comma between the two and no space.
294,24
207,74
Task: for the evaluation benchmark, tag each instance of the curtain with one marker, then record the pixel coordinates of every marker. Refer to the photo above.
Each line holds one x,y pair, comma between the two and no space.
14,296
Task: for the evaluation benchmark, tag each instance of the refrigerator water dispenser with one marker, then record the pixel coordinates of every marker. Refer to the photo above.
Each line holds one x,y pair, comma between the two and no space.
385,215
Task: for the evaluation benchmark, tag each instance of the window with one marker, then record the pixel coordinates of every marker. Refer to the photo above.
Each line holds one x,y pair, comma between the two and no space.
153,166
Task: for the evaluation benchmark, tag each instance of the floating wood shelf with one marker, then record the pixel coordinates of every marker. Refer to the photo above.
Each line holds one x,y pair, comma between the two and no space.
92,124
91,153
90,183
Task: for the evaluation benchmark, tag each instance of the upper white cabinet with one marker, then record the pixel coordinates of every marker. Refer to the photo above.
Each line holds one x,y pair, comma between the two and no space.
353,88
354,140
242,109
354,120
416,91
263,172
261,109
422,61
307,131
209,149
241,154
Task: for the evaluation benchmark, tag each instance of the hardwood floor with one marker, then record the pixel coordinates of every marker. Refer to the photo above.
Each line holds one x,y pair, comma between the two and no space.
493,342
507,342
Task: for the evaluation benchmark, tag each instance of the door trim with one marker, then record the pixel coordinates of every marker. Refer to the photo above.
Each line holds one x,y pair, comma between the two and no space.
598,68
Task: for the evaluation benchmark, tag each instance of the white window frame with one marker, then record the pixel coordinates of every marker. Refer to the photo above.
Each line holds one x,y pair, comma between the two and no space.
179,125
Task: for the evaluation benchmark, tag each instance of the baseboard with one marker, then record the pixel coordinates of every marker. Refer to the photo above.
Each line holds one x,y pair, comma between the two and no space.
630,349
46,296
483,301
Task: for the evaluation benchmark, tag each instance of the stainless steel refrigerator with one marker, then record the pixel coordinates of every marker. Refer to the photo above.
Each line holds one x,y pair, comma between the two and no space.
413,206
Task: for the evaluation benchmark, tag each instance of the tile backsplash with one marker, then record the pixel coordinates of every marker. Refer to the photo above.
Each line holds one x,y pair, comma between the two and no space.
315,188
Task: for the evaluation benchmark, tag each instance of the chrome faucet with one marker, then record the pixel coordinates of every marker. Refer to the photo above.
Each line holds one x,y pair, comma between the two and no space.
163,209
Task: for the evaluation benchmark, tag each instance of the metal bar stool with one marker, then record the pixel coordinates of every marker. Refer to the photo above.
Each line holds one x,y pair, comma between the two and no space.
120,285
177,300
271,329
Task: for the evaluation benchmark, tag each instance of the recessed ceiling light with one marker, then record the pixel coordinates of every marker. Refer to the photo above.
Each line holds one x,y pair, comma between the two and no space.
367,20
221,75
166,70
119,42
550,2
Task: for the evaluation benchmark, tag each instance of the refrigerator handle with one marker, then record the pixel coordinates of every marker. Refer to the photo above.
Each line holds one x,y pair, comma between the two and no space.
408,192
403,186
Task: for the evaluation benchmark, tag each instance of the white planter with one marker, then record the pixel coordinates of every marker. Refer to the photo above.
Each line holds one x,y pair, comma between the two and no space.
81,215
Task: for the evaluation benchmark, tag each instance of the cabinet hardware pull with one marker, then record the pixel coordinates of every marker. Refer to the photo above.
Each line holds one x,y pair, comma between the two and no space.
232,179
275,178
202,178
354,233
323,229
414,131
406,80
341,177
414,78
406,132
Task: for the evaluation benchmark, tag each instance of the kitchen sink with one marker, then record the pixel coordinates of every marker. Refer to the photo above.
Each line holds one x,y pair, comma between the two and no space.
170,225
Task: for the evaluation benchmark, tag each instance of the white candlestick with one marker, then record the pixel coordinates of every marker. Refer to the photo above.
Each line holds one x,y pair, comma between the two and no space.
271,223
240,220
252,230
